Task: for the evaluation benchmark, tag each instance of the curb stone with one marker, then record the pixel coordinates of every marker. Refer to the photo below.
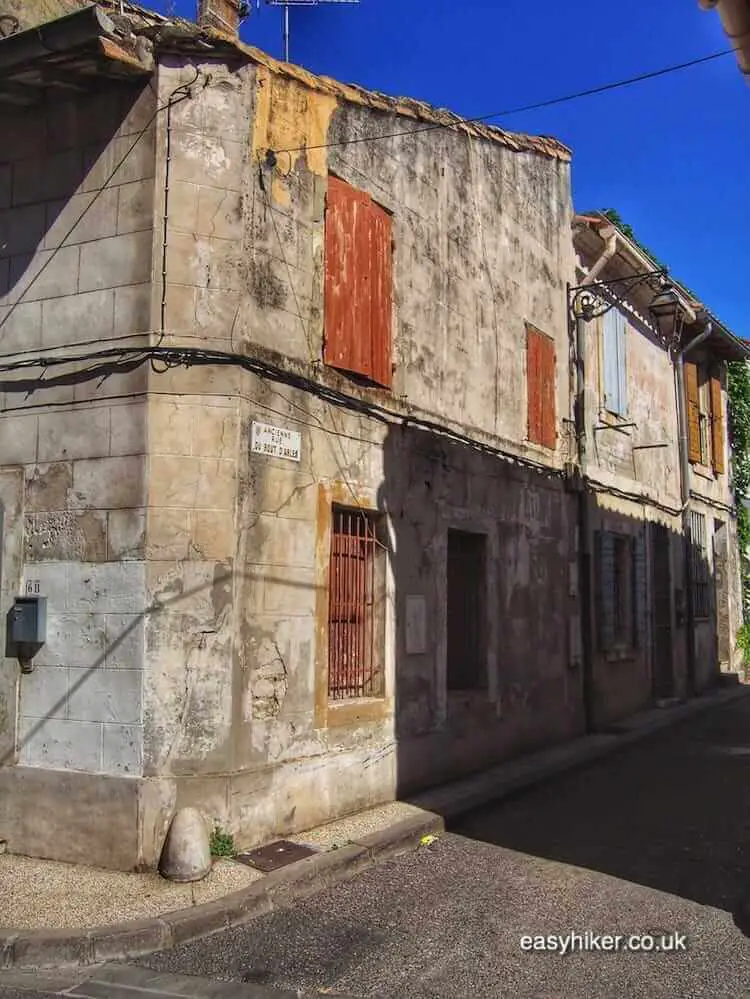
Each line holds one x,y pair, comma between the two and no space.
69,948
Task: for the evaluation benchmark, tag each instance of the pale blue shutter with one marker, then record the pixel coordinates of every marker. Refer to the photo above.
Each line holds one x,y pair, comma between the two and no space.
640,594
615,367
622,389
609,350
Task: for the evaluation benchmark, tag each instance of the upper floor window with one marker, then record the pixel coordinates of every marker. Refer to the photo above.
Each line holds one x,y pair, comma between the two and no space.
358,277
705,416
540,381
614,363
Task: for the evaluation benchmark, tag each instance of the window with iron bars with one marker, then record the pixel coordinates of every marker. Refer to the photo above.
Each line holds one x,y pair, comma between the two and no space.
699,565
356,606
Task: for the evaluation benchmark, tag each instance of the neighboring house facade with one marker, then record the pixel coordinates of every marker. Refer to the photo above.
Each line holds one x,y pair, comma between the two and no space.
648,601
291,572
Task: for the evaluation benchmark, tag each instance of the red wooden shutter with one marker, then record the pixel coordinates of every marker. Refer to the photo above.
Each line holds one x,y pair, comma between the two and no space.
540,374
344,210
693,411
533,384
717,426
358,276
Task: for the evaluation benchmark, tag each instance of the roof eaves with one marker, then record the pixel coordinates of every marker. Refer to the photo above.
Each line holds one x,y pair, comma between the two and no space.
737,346
186,34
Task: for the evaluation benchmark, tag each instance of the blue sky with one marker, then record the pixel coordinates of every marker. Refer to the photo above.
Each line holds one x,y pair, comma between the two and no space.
671,155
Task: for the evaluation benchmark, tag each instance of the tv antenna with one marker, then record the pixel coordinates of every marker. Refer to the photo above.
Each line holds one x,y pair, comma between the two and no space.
286,4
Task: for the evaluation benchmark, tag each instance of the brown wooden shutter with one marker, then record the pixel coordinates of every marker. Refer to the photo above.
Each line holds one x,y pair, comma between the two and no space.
540,375
693,411
717,425
358,276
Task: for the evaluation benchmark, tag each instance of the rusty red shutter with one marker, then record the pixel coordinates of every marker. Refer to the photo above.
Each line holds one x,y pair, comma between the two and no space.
381,279
358,276
540,375
693,411
547,393
346,219
533,383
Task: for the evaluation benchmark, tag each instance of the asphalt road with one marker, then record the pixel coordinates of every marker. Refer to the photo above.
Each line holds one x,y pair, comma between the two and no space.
653,840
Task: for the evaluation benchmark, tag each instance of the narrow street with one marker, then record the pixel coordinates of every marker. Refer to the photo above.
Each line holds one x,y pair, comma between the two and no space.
654,840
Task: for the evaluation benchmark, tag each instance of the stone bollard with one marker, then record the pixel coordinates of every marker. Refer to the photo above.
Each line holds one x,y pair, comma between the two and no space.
187,854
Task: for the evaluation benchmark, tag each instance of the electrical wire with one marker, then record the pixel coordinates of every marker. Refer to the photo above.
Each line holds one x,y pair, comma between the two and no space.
551,102
116,360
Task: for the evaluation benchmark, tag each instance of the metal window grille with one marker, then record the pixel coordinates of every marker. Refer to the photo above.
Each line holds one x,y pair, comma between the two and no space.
356,607
700,570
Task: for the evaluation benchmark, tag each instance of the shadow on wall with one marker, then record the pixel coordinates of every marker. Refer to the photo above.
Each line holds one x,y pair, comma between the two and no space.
63,158
480,556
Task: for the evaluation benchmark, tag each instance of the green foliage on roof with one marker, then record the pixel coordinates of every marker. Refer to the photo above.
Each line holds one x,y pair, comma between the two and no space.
627,231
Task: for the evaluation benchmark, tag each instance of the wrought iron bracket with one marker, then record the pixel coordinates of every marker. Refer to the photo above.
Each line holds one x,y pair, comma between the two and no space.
589,301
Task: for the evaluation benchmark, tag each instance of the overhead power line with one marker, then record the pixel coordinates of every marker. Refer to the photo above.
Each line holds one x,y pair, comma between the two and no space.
102,364
551,102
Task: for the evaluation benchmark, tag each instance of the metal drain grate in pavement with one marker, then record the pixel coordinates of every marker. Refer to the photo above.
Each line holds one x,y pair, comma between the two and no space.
275,855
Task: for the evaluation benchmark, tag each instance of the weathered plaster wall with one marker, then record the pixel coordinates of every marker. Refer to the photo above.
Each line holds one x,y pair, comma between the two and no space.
648,480
615,456
622,683
236,713
76,233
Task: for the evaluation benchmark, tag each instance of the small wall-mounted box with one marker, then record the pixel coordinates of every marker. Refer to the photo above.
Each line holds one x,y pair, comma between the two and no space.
28,622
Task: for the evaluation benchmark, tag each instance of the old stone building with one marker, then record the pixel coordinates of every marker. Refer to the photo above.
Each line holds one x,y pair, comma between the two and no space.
661,522
287,442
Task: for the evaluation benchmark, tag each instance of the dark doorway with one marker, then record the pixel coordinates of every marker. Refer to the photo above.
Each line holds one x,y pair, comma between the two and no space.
661,602
466,609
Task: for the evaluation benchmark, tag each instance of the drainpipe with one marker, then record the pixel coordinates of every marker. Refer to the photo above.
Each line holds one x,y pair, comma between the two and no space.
609,235
685,500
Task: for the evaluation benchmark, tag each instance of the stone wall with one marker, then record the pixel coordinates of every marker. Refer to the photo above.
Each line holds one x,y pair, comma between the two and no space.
76,234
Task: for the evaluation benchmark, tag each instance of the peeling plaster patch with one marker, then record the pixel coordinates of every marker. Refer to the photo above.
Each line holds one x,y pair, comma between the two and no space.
65,536
47,486
268,687
290,115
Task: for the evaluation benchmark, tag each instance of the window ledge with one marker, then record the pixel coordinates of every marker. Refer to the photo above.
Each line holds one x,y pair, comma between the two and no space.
541,449
704,471
614,420
357,711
